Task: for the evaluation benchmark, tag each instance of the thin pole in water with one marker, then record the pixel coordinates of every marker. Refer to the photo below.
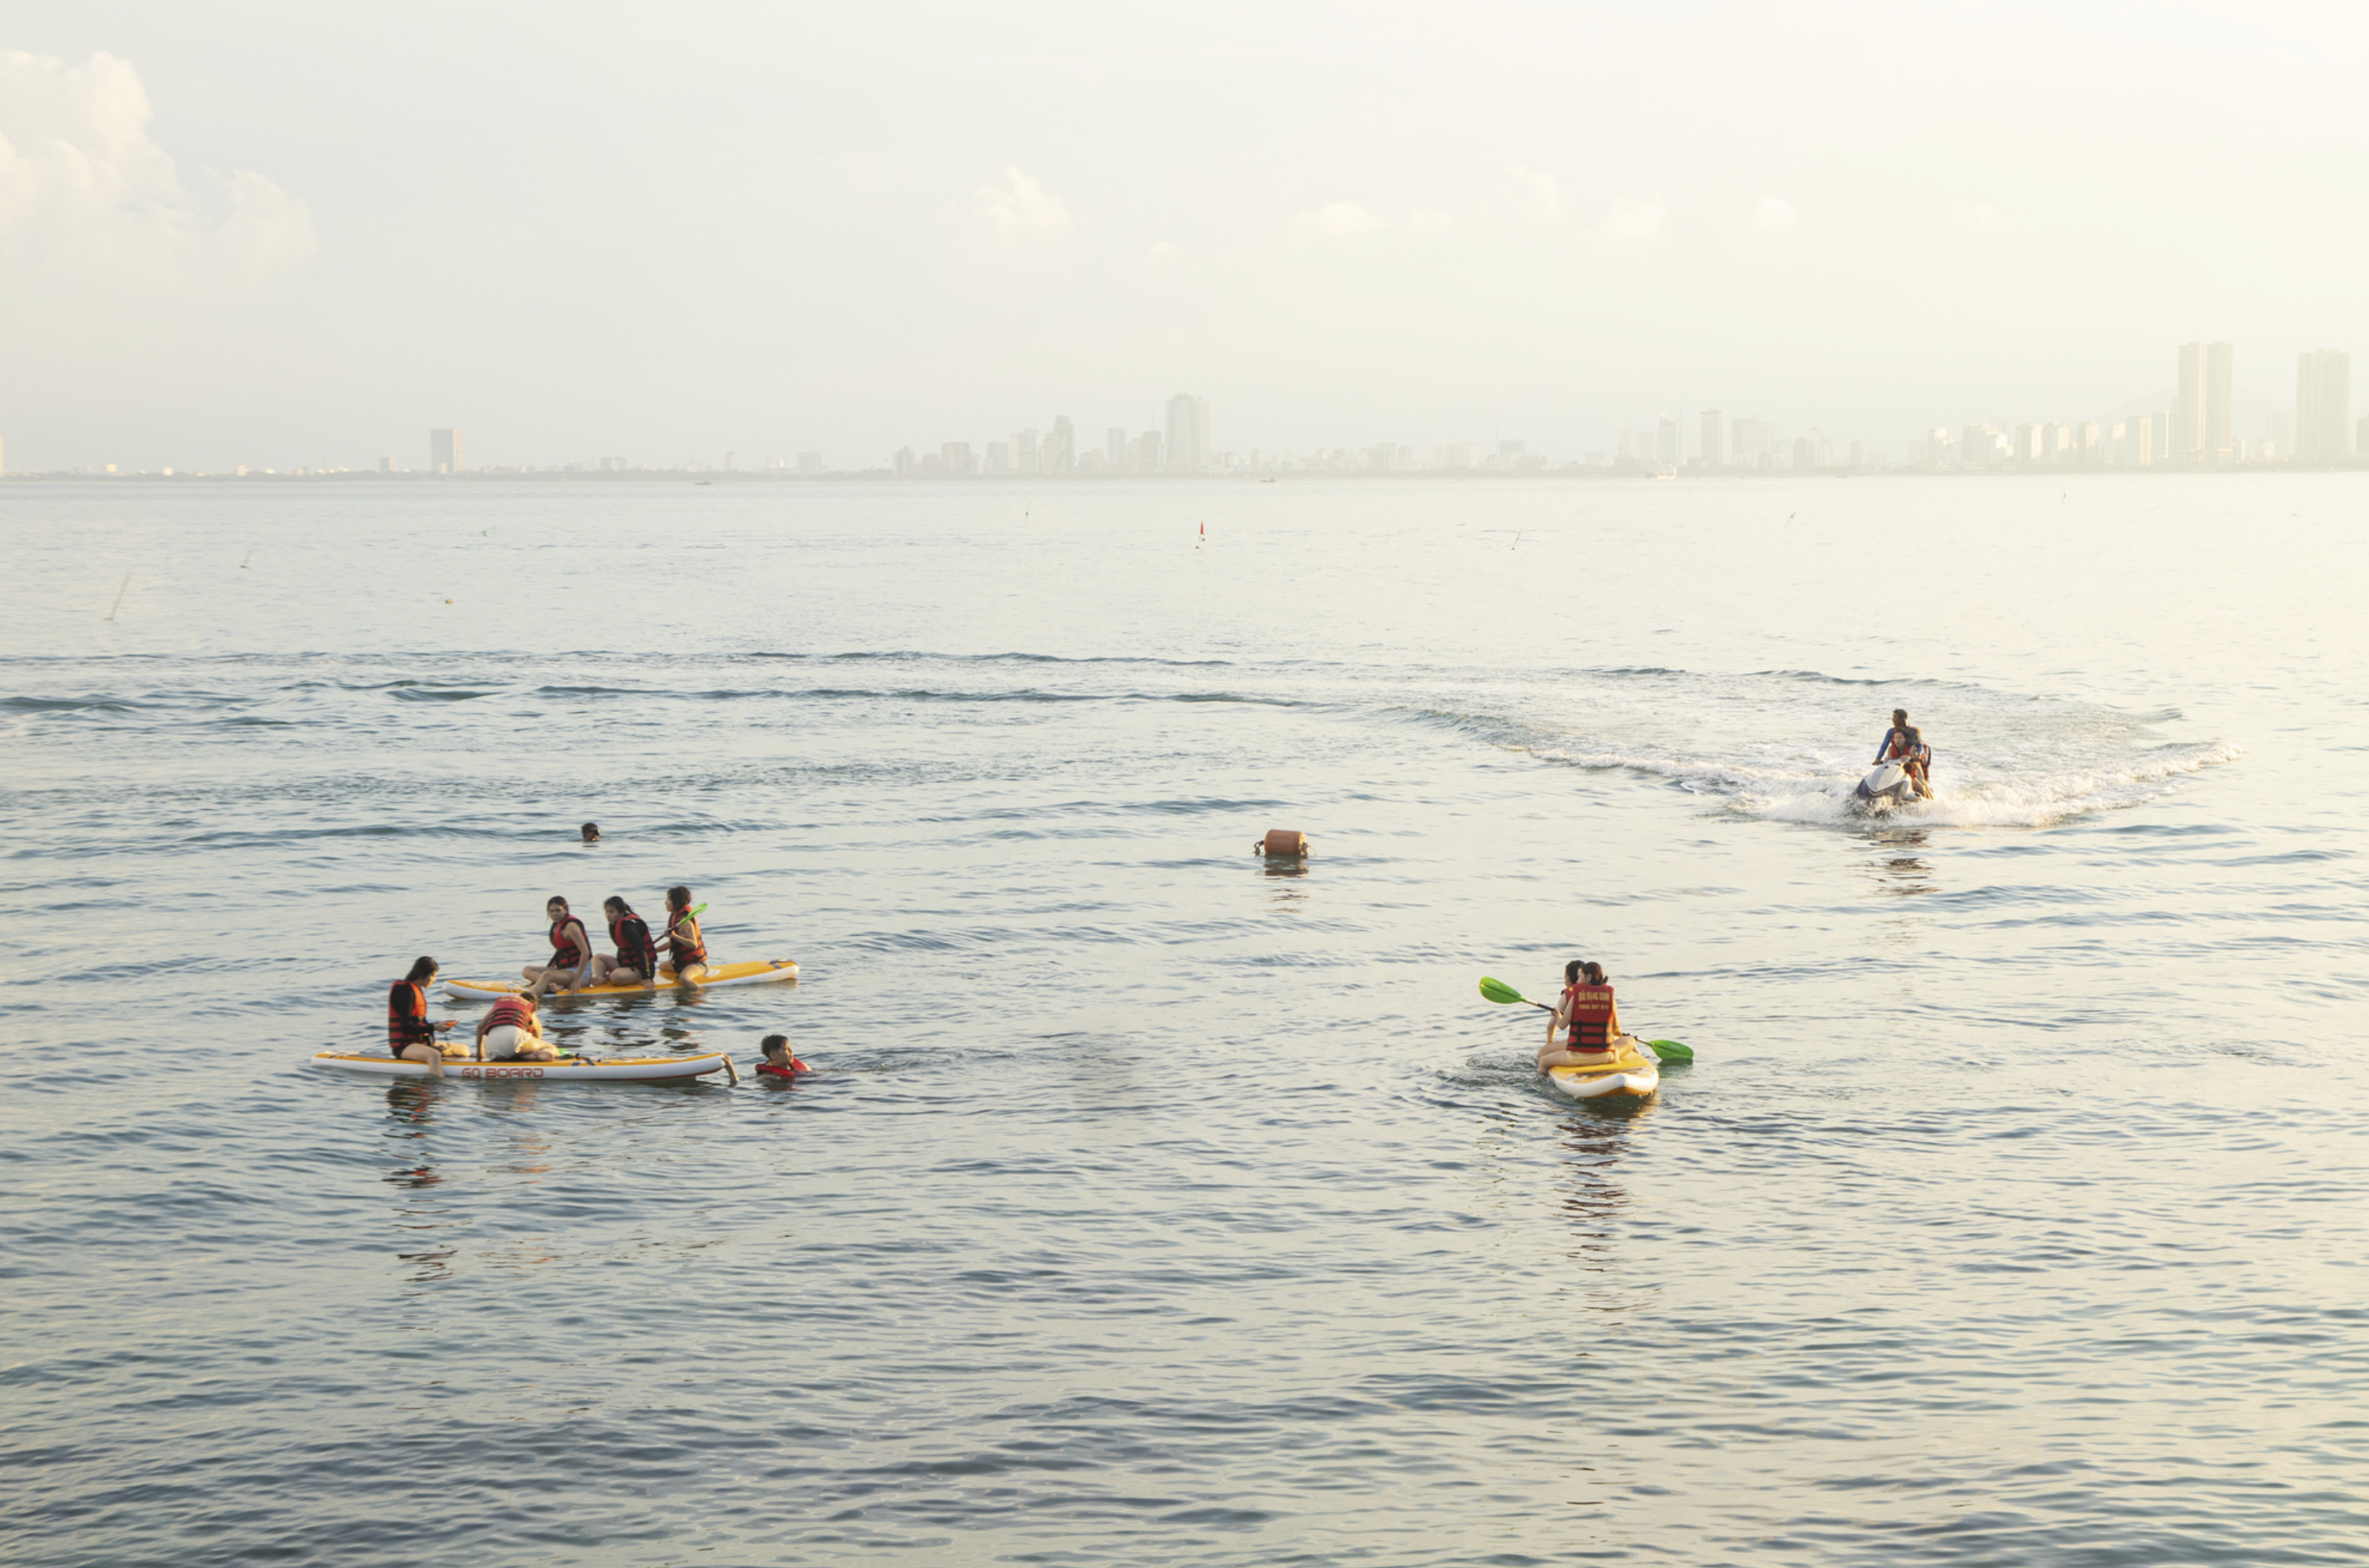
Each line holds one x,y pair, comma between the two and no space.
119,595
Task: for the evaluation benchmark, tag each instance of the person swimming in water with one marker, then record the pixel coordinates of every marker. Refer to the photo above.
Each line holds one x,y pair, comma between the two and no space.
1902,744
778,1063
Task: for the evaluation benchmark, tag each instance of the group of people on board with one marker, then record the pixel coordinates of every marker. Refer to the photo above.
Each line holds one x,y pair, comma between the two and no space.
632,959
511,1030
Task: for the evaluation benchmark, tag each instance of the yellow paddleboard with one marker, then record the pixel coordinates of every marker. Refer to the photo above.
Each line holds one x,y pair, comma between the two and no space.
1630,1071
758,972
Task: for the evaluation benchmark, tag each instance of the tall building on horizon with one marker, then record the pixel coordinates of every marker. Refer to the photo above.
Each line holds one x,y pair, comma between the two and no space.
1665,441
1060,453
2184,441
2323,406
1714,438
1188,433
443,452
2218,445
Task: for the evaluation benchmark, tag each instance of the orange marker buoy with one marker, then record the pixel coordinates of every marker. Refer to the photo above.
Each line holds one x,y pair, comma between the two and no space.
1283,842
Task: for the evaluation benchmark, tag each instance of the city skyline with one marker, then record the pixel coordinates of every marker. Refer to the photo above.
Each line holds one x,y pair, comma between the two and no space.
1532,224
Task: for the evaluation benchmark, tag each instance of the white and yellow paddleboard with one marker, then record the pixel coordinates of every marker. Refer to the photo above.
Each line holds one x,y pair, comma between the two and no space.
1630,1071
614,1069
760,971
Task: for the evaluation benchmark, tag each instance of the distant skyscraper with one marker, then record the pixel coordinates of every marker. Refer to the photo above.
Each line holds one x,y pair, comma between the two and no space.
1665,441
1146,458
1714,438
1061,451
1024,450
1805,454
2323,406
954,459
1114,449
444,452
1188,433
2026,444
999,457
2185,439
2218,445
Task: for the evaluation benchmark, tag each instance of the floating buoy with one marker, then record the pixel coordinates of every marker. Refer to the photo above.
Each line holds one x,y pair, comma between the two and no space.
1283,842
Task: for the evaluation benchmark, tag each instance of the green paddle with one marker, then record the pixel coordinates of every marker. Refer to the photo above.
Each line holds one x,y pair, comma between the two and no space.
1499,991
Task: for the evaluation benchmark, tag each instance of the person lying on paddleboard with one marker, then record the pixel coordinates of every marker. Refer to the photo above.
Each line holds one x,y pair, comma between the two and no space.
685,944
1904,745
512,1029
636,961
1588,1017
571,965
778,1063
410,1035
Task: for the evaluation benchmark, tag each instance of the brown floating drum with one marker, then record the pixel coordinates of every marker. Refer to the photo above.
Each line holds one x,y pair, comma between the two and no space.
1281,841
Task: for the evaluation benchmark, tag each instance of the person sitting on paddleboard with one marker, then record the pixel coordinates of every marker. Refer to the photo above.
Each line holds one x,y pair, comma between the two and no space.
636,961
778,1063
512,1030
571,954
410,1035
687,948
1904,745
1588,1017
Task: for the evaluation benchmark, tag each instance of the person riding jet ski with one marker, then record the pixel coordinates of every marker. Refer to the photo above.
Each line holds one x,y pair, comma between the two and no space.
1904,745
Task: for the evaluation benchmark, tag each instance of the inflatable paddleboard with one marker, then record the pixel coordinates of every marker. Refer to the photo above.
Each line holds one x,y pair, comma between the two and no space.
614,1069
759,972
1627,1071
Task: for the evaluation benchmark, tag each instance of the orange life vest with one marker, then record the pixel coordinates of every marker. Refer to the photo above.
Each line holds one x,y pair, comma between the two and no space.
1589,1008
407,1017
511,1011
565,954
689,949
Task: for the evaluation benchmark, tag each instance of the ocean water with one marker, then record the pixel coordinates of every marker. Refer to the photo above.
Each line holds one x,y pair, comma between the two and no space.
1154,1203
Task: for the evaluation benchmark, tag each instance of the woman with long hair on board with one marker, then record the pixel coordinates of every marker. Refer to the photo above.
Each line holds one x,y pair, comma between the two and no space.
1588,1017
572,958
636,961
410,1035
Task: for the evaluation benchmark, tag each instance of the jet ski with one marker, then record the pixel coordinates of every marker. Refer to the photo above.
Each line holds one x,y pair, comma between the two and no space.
1887,788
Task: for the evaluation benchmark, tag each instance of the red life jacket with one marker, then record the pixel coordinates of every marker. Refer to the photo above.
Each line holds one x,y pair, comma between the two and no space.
687,949
1905,746
511,1011
634,949
565,954
1589,1008
407,1017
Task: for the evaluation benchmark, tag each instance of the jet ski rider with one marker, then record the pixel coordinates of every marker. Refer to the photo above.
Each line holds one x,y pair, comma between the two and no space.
1904,745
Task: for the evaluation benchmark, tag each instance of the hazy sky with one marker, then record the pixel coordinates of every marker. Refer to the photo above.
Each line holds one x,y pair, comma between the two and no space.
295,233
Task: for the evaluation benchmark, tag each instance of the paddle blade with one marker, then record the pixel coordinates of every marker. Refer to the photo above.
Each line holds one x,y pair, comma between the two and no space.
1498,991
1671,1050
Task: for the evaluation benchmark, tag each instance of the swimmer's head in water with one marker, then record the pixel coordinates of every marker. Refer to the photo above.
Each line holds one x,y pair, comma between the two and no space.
775,1045
591,833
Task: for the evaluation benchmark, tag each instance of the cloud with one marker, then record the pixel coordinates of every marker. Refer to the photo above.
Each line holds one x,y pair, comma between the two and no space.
1537,193
1974,214
1342,218
1020,206
1774,215
83,187
1632,218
